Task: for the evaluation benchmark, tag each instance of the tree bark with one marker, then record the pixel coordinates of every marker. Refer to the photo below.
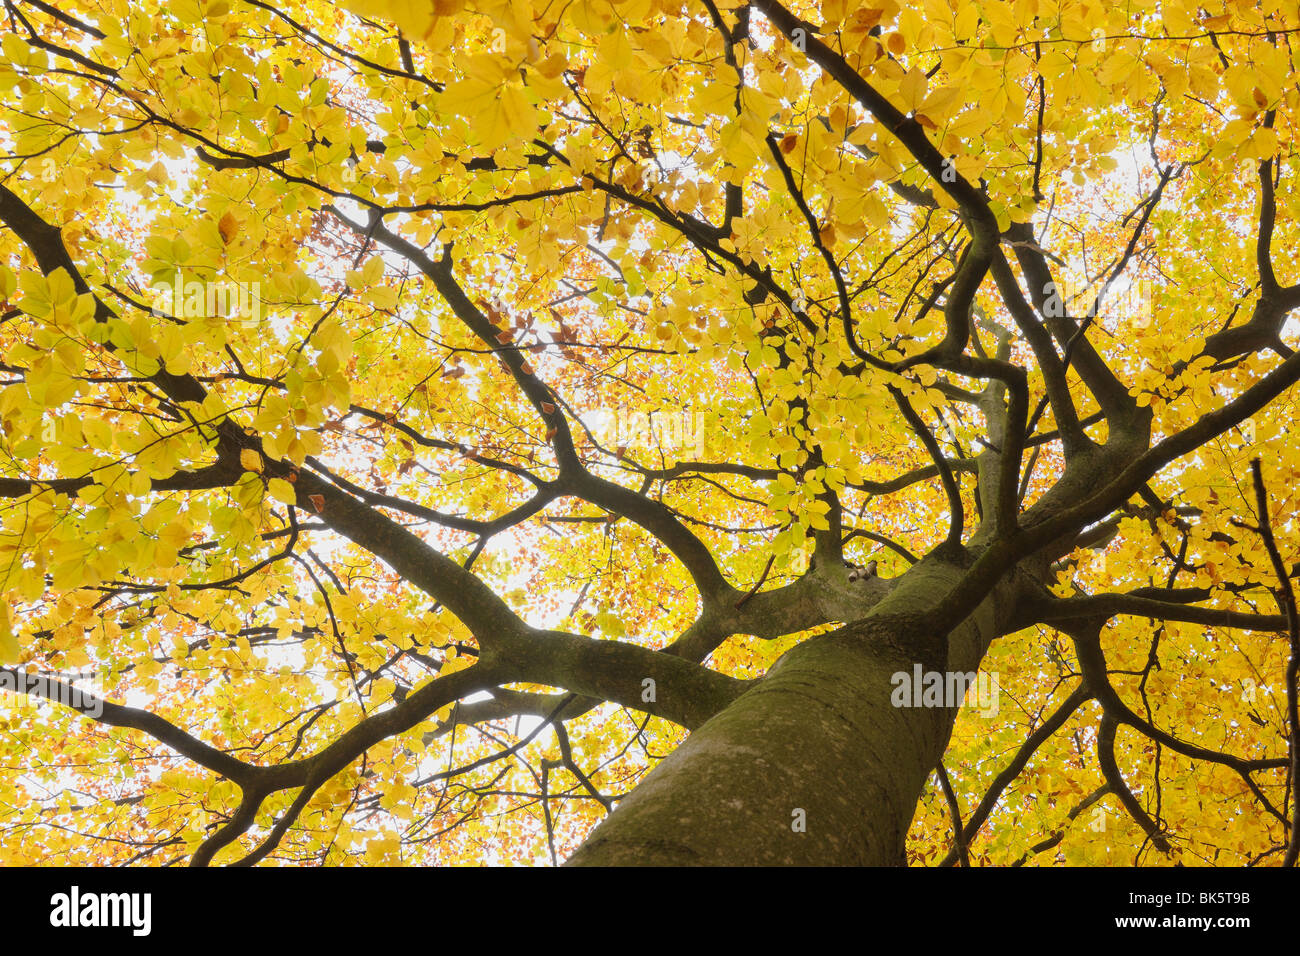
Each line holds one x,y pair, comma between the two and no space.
814,765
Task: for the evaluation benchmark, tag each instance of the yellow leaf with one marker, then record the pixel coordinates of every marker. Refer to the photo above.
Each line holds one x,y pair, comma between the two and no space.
717,98
282,490
9,649
968,20
499,112
912,88
381,297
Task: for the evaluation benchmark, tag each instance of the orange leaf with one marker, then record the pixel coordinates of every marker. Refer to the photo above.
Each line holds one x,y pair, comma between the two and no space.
228,226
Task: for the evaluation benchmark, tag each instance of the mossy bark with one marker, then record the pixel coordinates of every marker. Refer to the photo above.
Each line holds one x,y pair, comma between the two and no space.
814,765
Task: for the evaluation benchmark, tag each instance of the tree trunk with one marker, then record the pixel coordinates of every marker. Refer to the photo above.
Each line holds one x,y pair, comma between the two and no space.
814,765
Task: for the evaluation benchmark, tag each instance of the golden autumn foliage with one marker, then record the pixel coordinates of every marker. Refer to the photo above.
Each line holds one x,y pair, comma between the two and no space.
419,417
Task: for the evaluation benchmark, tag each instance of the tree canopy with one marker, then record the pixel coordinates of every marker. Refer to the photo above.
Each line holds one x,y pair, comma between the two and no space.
422,419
